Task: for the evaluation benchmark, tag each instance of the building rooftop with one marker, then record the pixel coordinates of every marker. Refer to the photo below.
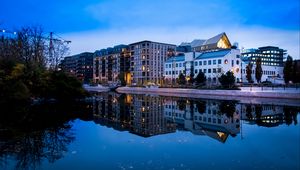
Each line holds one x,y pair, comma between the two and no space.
200,42
214,54
176,58
150,42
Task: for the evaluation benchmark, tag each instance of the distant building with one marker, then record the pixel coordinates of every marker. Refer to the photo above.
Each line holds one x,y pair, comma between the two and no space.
269,55
147,61
80,65
271,62
110,63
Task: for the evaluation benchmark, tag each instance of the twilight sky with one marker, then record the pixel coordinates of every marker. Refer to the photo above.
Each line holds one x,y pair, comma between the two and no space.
96,24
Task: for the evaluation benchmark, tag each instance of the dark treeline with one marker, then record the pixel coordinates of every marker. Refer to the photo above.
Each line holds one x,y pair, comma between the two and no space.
29,68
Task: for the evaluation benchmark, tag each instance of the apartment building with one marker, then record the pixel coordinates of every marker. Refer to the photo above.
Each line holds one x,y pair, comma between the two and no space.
79,65
147,61
110,64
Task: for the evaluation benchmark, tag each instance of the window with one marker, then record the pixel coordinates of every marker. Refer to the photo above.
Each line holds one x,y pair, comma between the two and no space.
214,62
204,63
200,63
180,64
209,70
166,65
166,73
232,63
204,70
237,62
219,61
200,70
196,71
176,64
214,70
219,70
209,62
196,63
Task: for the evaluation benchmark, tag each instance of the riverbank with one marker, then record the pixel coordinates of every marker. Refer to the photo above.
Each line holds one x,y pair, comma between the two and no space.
289,96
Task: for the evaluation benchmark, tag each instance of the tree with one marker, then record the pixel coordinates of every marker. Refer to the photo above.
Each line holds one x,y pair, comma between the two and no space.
121,77
288,69
201,78
258,70
191,80
249,73
181,103
296,72
181,79
227,80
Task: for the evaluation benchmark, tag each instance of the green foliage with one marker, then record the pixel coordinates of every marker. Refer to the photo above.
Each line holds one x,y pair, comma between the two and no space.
258,70
227,80
201,78
23,75
288,69
249,73
181,79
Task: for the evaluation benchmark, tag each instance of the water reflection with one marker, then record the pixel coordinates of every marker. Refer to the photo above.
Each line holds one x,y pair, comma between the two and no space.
31,134
148,115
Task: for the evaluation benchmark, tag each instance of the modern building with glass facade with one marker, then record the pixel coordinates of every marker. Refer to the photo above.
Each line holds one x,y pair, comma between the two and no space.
271,63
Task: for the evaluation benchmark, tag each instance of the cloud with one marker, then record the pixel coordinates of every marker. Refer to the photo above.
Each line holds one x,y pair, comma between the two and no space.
247,37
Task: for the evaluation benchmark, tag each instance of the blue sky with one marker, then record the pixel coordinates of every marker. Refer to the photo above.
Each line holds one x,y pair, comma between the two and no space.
95,24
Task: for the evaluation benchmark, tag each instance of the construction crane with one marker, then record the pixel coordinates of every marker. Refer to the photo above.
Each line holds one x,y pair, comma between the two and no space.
50,37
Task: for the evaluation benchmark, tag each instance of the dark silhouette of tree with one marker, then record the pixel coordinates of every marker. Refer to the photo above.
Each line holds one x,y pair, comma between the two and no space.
121,77
181,79
249,111
288,70
290,115
296,72
201,106
192,79
181,103
249,73
258,70
228,108
201,78
258,112
227,80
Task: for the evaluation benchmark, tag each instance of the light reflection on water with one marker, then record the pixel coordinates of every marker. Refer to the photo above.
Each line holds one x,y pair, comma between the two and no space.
155,132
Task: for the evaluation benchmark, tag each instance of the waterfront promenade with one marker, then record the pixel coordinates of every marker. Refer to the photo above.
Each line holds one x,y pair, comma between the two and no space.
253,94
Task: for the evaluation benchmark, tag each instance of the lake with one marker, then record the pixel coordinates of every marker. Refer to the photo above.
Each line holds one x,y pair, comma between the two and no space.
139,131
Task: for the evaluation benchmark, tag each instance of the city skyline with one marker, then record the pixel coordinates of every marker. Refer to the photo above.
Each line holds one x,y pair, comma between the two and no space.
92,25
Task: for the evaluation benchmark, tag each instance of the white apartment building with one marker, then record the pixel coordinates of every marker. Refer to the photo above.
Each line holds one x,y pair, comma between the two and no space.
212,63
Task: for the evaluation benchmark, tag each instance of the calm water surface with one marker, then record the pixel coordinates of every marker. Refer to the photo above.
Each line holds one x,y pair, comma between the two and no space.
114,131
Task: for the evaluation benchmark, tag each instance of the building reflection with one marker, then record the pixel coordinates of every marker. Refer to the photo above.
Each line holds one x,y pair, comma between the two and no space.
139,114
148,115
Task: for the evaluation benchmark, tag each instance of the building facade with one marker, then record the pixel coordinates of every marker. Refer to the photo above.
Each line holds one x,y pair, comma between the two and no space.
110,64
271,63
80,65
147,61
212,63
